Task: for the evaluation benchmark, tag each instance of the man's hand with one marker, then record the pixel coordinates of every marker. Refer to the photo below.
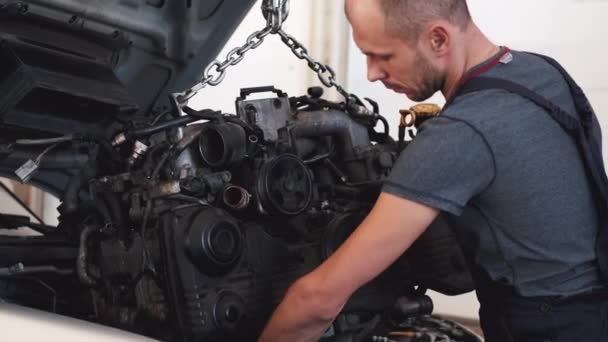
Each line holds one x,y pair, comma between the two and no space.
313,302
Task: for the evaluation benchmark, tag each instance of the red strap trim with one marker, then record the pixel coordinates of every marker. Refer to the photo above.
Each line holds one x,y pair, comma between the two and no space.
485,68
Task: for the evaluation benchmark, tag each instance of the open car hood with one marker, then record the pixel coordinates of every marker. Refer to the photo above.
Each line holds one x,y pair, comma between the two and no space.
81,64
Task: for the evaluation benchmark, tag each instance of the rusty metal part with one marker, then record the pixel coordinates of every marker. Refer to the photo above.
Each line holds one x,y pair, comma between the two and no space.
139,150
82,261
418,113
165,189
236,197
119,139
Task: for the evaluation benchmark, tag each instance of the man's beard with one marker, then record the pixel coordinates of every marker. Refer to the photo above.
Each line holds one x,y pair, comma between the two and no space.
429,79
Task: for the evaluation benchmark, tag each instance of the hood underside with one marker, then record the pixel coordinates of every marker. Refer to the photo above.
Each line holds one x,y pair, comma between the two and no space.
84,62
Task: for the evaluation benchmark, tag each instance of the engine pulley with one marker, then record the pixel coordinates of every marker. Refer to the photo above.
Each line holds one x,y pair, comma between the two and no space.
284,185
214,241
228,311
338,230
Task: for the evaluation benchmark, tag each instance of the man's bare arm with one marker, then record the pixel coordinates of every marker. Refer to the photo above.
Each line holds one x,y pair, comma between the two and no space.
313,302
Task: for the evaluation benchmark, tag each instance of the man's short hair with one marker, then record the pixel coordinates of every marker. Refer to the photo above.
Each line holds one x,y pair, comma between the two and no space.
406,18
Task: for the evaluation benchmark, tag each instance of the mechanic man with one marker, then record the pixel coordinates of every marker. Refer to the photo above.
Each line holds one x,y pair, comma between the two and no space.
507,175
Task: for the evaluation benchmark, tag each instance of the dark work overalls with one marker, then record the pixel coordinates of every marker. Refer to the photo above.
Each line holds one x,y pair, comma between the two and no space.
504,314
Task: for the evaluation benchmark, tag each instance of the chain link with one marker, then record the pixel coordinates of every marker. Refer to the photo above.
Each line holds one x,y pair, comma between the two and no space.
324,72
215,72
275,12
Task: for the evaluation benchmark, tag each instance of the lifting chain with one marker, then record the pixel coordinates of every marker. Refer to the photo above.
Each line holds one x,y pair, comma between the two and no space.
275,12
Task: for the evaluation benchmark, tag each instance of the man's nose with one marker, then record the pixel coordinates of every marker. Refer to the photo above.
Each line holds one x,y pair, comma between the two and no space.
374,72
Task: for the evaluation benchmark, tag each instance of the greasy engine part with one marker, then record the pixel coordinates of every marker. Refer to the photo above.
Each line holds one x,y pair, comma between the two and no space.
235,305
405,308
213,241
236,197
338,230
349,137
424,328
82,261
418,114
269,114
414,117
284,186
222,145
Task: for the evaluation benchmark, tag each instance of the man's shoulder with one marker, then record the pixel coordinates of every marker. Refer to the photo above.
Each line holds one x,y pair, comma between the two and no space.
496,107
483,106
526,68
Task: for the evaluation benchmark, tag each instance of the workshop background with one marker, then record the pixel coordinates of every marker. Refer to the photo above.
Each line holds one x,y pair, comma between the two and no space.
572,31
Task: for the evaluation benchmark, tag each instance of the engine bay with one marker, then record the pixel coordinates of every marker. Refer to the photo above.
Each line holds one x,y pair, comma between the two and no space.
194,230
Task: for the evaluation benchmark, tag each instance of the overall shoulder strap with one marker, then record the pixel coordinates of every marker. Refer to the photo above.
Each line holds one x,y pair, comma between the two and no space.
581,102
584,110
568,122
579,127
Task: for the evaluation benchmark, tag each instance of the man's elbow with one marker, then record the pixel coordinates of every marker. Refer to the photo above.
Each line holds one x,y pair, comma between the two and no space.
320,304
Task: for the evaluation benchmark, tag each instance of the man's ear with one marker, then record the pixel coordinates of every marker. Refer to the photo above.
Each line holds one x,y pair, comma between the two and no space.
438,38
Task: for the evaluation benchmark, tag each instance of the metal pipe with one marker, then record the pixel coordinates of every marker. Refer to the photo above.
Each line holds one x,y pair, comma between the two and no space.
319,157
20,269
191,199
191,133
43,228
223,145
348,133
48,141
70,200
181,121
192,116
58,160
236,197
81,261
115,210
334,123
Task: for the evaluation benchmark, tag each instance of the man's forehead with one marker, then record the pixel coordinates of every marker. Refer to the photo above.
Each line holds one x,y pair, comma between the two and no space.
365,17
367,21
362,8
375,42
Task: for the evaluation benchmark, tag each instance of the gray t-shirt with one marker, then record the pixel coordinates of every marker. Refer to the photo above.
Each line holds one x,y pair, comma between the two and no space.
511,181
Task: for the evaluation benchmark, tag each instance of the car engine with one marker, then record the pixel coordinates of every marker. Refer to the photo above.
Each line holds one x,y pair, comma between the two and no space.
186,224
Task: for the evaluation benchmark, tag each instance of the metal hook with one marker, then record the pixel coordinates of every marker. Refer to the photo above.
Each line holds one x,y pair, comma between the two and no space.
275,12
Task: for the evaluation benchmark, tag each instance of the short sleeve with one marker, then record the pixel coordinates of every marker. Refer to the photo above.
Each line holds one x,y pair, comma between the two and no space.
445,166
